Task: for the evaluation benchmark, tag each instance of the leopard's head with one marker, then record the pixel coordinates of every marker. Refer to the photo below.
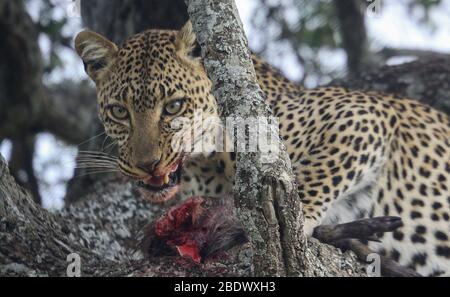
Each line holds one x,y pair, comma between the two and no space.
146,90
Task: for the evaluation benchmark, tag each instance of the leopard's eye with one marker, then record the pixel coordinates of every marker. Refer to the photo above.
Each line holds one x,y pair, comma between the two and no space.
119,112
174,107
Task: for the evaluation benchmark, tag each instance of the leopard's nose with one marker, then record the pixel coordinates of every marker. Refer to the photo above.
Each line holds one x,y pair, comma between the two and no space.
148,167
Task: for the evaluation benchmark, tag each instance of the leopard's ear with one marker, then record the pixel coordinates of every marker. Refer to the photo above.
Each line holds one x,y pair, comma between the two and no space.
186,42
96,52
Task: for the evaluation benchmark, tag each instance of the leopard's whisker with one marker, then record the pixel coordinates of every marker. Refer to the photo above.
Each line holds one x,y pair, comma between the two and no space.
113,164
96,160
102,154
111,145
97,157
93,152
97,172
88,165
104,141
92,138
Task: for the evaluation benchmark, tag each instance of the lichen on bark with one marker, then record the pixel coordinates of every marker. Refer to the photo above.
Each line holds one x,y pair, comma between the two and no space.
274,231
101,228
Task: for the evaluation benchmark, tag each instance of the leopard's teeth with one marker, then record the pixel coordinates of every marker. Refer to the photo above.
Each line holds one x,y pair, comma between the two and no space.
175,169
166,179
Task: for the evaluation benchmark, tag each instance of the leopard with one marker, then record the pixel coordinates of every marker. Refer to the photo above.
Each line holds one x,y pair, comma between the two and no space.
355,154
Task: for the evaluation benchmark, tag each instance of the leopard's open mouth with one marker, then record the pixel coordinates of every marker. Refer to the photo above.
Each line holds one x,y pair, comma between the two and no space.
163,187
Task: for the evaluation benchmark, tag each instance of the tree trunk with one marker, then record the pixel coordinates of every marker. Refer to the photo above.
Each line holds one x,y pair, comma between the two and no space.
352,28
20,71
265,195
26,105
128,17
21,165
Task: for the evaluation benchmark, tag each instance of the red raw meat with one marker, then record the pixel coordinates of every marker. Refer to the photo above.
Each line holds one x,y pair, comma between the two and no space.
197,229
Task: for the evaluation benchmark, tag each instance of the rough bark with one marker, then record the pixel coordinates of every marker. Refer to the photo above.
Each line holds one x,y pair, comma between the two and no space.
37,243
102,230
426,80
265,195
33,240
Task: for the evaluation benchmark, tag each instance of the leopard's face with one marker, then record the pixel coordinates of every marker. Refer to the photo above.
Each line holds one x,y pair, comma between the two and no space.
149,92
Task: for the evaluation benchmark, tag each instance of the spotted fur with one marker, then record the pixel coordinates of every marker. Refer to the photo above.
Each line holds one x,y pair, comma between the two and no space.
355,154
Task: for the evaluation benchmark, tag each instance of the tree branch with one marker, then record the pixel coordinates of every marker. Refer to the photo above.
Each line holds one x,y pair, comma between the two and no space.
424,80
389,52
102,230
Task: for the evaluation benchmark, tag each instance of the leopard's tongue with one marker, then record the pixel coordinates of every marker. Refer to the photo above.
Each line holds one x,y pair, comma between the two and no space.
162,179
